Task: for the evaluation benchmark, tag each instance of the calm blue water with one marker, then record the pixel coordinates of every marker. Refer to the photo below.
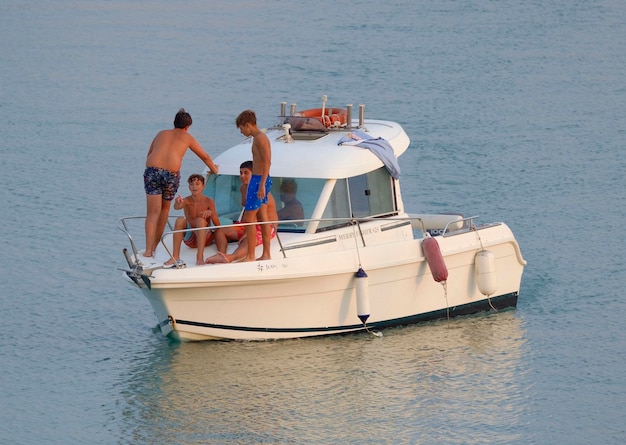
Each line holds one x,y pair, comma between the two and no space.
516,111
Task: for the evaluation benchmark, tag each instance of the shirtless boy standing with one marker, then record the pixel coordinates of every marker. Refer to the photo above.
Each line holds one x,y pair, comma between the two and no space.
260,183
199,212
162,175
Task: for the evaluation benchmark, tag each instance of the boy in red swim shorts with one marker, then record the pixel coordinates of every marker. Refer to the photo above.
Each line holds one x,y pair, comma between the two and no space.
199,213
238,233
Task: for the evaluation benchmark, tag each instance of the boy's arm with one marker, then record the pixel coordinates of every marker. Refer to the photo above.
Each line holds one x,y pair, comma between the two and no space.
195,146
179,202
215,219
243,188
185,205
264,156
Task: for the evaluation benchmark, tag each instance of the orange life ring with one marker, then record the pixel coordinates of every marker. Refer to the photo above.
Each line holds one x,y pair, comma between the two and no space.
333,117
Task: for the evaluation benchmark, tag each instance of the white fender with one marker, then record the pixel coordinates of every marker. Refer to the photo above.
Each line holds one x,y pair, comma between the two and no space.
485,265
362,295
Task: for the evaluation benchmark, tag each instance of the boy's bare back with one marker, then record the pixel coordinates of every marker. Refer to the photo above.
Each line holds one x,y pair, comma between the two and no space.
169,147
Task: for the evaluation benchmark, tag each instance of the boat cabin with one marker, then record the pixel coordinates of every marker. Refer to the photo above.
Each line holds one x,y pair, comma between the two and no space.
327,203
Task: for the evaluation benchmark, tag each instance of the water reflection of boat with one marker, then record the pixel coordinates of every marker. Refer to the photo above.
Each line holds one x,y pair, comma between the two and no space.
414,385
357,261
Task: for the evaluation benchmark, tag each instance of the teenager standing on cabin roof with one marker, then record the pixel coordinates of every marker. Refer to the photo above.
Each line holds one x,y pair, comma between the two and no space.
260,183
162,175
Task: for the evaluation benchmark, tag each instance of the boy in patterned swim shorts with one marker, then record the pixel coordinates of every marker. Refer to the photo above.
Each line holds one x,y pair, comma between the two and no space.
162,174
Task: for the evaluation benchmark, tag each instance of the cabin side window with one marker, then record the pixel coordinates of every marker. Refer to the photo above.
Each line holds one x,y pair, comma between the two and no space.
337,211
363,196
372,194
296,199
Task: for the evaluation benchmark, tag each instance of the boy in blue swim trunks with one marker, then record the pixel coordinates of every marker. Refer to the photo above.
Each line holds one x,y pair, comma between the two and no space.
162,174
260,183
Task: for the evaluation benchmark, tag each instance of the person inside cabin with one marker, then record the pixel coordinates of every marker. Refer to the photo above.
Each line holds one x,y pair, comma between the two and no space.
162,174
292,208
224,235
199,214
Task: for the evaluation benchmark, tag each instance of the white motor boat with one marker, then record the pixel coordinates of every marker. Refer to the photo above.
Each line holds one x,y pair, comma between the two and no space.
357,261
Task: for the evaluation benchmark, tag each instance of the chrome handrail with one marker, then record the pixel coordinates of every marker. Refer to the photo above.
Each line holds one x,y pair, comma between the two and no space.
123,226
469,219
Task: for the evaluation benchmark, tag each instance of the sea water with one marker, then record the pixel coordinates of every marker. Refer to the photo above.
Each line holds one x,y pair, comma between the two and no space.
516,113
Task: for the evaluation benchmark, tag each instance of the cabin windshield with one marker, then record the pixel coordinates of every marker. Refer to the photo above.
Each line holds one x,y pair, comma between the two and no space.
295,199
363,196
224,189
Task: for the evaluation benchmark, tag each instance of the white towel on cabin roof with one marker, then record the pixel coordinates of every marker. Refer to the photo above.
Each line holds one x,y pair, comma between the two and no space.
379,146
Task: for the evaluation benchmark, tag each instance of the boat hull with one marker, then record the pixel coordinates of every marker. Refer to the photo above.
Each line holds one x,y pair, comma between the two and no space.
282,298
198,331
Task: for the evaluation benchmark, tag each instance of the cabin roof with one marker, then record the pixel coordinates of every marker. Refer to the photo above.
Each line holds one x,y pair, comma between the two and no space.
310,156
